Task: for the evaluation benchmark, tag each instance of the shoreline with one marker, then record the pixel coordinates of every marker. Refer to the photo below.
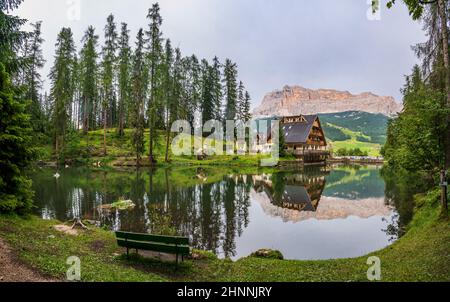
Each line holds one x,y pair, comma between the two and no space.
421,254
251,163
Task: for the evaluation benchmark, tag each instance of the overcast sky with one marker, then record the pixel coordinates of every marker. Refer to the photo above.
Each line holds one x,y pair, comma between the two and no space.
315,44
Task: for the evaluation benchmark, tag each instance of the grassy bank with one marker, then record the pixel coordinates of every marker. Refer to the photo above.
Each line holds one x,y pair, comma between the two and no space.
88,150
422,254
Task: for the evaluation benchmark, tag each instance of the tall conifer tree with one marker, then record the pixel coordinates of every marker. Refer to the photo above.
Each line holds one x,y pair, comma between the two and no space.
33,81
138,93
154,37
230,84
124,76
108,76
62,90
15,135
88,77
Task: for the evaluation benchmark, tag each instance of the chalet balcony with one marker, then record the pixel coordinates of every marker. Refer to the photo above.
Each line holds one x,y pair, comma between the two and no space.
311,152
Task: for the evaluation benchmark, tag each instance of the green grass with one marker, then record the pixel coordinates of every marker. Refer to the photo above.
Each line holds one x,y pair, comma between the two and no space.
372,126
422,254
88,149
356,140
371,148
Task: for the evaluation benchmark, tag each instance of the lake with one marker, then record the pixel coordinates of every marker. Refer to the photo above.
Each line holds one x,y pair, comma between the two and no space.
309,213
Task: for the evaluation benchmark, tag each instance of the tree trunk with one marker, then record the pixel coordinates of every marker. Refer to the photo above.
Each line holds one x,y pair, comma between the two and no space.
442,10
444,206
150,157
444,29
85,116
104,130
152,115
121,119
167,139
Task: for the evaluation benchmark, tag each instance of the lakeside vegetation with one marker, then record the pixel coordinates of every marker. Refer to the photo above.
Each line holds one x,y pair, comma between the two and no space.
87,150
420,255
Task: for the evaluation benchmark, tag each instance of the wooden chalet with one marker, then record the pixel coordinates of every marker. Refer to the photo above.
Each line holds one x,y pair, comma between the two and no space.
303,137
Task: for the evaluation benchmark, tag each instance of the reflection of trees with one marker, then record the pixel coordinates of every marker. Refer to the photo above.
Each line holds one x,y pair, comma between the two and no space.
354,182
210,214
400,191
230,217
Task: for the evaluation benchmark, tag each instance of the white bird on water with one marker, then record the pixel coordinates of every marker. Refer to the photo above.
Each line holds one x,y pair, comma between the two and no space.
56,175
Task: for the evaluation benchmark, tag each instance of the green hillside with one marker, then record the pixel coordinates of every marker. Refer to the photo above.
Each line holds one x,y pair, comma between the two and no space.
372,126
355,129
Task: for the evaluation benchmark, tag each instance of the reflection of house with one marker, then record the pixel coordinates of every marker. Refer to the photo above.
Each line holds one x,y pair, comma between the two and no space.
303,137
297,192
296,198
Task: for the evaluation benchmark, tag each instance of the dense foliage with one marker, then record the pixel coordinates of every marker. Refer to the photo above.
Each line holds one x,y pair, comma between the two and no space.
416,138
419,139
350,152
15,133
149,86
15,153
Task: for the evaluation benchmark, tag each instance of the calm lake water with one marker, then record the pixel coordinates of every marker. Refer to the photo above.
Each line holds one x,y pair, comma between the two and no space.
313,213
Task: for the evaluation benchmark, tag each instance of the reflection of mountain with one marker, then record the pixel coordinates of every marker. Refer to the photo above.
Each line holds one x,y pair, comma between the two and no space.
296,191
213,214
330,208
351,183
296,197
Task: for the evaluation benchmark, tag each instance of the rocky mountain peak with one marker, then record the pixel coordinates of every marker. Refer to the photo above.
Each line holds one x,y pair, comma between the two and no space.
293,100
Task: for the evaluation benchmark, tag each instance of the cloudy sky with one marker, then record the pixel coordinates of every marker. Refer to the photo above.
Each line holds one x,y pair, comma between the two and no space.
315,44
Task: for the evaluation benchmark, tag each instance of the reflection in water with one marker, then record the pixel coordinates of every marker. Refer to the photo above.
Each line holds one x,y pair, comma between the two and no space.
299,191
324,214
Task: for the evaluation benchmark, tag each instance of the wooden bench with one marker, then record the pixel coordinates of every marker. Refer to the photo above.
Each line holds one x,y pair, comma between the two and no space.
157,243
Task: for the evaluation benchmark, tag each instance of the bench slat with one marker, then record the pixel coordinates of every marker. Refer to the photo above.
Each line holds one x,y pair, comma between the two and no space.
153,246
153,238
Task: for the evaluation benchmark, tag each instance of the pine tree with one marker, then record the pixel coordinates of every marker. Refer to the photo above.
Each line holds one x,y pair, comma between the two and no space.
230,84
240,101
167,88
174,106
88,78
154,62
246,115
217,89
196,87
33,82
109,59
62,91
12,38
15,151
177,86
138,93
15,133
124,76
208,105
187,107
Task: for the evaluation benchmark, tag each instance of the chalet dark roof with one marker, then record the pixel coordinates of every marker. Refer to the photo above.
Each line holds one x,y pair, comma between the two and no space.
298,132
297,195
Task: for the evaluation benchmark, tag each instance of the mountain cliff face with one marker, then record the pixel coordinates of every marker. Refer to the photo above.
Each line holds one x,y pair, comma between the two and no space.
293,100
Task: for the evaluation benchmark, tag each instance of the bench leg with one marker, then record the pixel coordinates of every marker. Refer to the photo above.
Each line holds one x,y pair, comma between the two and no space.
177,259
128,253
182,257
137,252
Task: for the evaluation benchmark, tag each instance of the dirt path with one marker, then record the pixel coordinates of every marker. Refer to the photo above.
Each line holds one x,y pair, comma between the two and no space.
12,270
